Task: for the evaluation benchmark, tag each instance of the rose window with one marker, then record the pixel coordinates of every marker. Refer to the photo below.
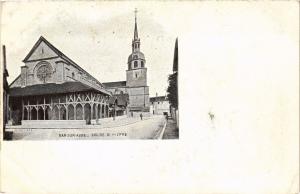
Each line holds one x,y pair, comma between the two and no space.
44,73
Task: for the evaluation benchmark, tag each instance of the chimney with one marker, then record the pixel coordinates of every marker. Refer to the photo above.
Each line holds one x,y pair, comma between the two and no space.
156,94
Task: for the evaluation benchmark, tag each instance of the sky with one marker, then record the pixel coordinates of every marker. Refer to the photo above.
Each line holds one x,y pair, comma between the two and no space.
96,35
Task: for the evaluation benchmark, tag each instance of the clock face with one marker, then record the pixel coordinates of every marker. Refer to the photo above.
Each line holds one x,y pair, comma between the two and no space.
44,73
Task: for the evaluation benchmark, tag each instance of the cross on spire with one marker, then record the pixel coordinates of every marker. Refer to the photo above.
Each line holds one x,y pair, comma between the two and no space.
135,13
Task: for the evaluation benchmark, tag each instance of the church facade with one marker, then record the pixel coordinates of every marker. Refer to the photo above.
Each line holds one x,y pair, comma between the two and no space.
53,87
136,79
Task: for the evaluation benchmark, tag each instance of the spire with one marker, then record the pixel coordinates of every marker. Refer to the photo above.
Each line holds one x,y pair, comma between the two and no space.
135,26
175,60
5,72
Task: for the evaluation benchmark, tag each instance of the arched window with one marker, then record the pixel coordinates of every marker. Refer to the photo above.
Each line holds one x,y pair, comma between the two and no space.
135,64
142,63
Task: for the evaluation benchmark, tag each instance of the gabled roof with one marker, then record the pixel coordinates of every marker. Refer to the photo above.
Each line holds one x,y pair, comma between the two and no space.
114,84
51,88
58,52
158,99
14,80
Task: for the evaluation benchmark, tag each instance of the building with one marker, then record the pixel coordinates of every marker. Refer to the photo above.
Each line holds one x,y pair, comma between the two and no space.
53,87
118,105
159,105
5,94
173,87
136,78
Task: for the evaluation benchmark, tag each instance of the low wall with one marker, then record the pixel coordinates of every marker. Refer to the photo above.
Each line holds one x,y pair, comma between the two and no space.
137,114
52,123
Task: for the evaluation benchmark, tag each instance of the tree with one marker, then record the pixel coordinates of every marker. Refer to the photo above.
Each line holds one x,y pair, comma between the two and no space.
173,90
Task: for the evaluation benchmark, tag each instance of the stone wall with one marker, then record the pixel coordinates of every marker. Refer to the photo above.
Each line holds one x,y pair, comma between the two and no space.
61,71
139,97
29,77
136,77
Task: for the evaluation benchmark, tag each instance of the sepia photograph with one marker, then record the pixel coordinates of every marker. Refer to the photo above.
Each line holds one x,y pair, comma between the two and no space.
49,96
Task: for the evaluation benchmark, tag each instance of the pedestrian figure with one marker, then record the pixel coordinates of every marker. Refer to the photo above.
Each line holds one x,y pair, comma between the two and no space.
141,115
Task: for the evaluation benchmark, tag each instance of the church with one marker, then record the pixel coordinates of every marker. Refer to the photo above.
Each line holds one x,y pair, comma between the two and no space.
52,87
136,79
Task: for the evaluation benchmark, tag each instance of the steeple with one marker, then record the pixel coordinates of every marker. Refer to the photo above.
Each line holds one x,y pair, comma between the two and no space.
136,59
136,40
136,74
136,37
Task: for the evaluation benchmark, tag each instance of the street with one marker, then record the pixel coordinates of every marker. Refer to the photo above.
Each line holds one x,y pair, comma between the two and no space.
125,128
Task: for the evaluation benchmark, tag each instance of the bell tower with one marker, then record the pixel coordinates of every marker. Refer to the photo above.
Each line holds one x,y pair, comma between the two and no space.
136,74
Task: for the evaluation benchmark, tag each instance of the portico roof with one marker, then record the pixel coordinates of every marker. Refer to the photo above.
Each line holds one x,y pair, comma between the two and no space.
52,88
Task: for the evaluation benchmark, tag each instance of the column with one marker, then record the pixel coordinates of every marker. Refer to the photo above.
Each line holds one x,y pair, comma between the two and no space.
104,110
107,110
92,110
10,113
96,111
100,112
44,108
51,109
30,112
37,113
22,109
37,109
67,112
74,111
83,115
58,112
58,107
